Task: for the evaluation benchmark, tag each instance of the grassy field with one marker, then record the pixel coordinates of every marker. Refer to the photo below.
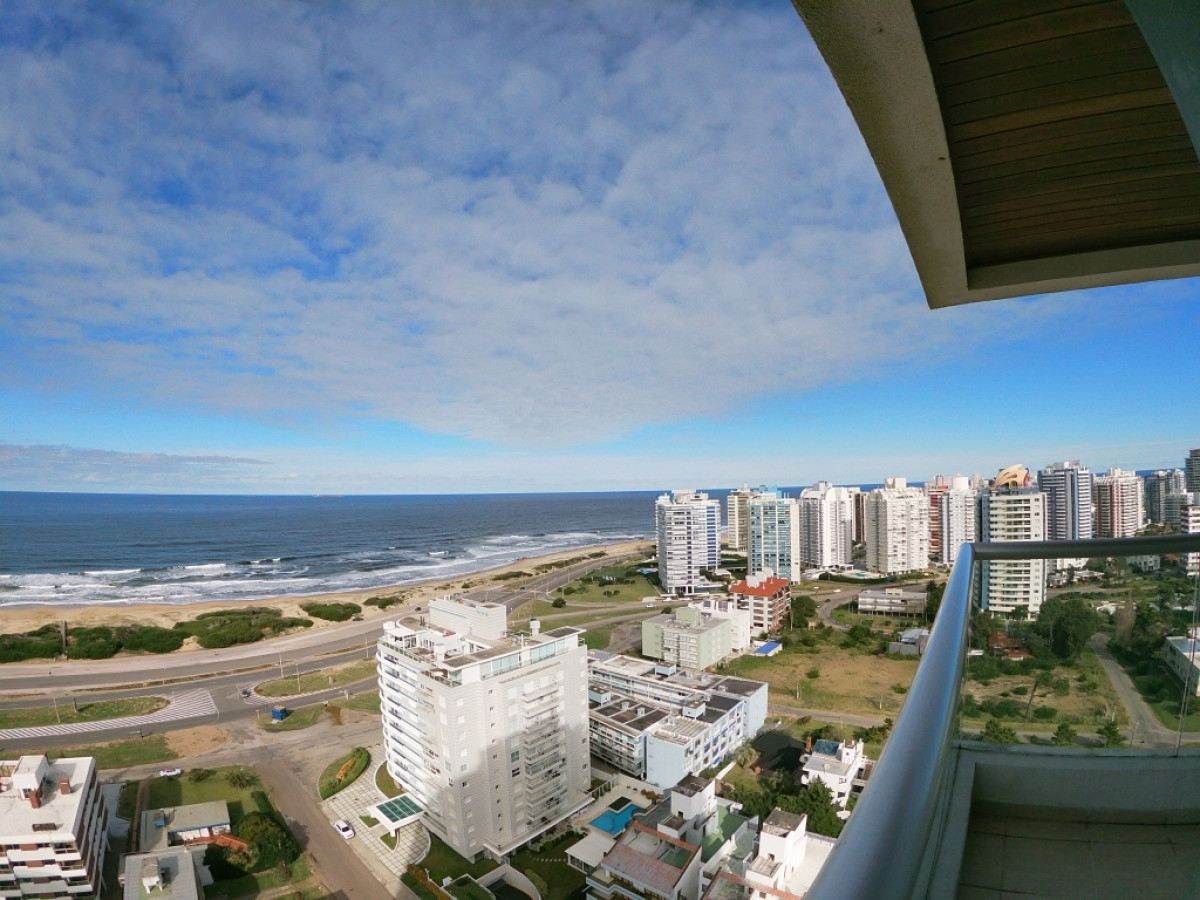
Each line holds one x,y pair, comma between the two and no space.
67,711
442,861
119,754
562,879
181,790
366,702
335,676
596,592
852,681
304,717
254,884
1089,699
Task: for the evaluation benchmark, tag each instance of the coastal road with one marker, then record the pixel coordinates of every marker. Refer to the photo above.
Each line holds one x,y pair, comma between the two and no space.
56,678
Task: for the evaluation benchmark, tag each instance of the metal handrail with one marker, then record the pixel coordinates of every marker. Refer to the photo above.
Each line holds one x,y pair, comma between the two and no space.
881,852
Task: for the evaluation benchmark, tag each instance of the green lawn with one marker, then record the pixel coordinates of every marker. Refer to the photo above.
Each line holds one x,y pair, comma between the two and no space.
181,790
67,711
119,754
561,878
367,702
304,717
598,638
383,781
441,861
258,882
336,676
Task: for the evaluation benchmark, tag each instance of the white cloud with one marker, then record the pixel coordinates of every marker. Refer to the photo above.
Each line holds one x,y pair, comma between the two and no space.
527,224
44,467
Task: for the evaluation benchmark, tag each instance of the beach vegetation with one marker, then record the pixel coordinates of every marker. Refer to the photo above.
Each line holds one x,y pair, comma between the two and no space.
44,643
383,602
226,627
98,642
332,612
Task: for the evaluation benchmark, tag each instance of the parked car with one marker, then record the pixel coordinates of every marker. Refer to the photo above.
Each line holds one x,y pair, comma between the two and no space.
170,773
344,829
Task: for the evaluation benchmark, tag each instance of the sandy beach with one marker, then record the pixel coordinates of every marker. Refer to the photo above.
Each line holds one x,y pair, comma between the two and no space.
27,618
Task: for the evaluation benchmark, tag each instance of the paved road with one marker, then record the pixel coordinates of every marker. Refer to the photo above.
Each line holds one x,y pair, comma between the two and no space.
336,863
1146,727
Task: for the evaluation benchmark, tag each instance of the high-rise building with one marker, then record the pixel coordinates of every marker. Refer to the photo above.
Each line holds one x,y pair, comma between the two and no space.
53,828
1068,490
859,497
489,737
826,526
1012,510
775,536
897,529
1191,471
1158,486
934,488
1119,504
956,518
737,518
1189,523
688,525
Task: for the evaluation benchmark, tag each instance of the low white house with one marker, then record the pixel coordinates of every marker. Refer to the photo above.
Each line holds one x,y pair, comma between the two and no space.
836,764
1182,656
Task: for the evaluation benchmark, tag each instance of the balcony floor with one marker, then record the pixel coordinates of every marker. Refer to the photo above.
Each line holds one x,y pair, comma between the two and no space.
1028,853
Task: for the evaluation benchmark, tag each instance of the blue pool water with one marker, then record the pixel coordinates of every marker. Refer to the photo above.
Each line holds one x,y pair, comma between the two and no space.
612,822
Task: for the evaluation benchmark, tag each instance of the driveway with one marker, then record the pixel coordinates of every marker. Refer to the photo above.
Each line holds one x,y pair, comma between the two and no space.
335,861
1146,726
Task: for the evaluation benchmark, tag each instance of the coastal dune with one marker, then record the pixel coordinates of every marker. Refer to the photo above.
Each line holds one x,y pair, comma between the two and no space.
27,618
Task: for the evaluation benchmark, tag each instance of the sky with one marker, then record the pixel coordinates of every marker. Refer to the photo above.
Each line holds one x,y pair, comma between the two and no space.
405,247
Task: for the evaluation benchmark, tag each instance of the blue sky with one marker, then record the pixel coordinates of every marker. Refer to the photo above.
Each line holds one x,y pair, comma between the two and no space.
422,248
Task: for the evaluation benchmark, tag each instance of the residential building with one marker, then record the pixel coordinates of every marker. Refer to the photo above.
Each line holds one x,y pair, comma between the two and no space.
172,874
769,600
775,535
1158,487
674,849
934,488
1191,471
1182,656
897,528
1068,490
737,518
826,526
956,518
783,866
836,764
53,828
688,526
1119,504
740,618
1189,523
687,638
710,715
176,826
489,737
859,498
892,601
1013,510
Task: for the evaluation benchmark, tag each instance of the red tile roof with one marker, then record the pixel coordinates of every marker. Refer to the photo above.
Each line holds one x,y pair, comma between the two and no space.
767,587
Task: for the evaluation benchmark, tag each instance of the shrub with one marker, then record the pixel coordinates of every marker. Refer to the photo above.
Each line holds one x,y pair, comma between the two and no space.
240,779
813,673
1045,713
271,842
199,774
332,612
382,602
19,647
559,603
1020,690
92,643
151,639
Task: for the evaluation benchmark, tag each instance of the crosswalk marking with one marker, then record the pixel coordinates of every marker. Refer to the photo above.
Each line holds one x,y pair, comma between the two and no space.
183,705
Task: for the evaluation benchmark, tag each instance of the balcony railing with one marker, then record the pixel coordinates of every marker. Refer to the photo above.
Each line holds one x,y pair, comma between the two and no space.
888,848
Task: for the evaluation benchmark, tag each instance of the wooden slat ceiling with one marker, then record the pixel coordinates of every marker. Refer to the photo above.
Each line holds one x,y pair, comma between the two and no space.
1063,135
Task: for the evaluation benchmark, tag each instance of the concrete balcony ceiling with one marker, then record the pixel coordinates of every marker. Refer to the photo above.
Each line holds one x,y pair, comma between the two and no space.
1027,146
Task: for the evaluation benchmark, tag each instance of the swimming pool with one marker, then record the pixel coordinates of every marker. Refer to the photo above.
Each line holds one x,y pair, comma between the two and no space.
614,822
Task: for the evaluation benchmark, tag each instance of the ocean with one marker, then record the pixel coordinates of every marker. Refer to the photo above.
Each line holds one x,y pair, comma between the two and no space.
117,549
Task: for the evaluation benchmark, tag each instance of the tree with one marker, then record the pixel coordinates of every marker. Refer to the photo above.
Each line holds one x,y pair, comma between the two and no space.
271,843
804,609
1064,735
996,732
1110,734
744,754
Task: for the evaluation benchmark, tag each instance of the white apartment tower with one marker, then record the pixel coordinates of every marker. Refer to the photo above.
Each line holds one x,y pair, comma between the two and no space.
488,737
1119,504
775,536
688,525
897,531
826,526
1068,490
1013,511
1189,523
53,828
737,518
1159,486
956,518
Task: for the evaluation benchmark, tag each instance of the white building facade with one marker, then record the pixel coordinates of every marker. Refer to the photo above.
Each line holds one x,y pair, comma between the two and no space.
489,737
826,526
688,528
897,529
775,536
1158,487
1068,488
956,518
737,518
1012,510
1189,523
53,828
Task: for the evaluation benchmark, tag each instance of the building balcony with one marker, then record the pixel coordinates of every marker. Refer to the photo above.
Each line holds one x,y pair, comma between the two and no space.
945,817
